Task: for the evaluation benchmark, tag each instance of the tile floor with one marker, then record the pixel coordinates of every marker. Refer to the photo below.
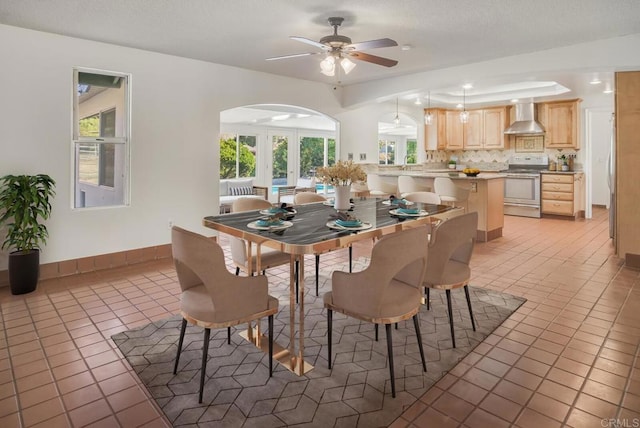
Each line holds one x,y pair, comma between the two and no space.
568,357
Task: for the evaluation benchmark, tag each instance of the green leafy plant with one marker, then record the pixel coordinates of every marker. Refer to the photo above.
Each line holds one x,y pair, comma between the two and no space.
24,200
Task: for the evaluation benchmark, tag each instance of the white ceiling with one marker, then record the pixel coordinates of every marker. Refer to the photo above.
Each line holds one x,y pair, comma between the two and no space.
439,34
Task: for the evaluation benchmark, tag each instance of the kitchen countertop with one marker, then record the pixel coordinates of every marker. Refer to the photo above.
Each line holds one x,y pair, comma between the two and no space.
561,172
441,173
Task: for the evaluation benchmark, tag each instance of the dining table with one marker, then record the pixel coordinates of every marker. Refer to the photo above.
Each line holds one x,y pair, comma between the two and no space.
314,229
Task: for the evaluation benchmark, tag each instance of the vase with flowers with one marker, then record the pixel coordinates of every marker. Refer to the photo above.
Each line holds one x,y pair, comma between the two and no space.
340,176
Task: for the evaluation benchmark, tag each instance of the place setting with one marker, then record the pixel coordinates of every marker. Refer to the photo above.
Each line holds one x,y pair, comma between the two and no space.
276,218
346,221
393,200
404,208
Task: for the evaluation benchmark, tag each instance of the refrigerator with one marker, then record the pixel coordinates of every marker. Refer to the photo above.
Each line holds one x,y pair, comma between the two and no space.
611,179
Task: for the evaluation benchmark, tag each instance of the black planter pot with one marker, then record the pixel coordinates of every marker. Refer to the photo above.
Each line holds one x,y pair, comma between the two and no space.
24,269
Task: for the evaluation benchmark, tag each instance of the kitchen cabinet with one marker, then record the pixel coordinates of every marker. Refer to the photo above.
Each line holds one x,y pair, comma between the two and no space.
561,122
454,131
563,194
485,129
435,135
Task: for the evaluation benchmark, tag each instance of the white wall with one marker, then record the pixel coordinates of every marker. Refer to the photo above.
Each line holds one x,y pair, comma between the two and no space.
176,106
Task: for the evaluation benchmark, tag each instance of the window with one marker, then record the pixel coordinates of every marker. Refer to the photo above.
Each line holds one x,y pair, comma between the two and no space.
412,151
314,153
237,156
386,152
101,138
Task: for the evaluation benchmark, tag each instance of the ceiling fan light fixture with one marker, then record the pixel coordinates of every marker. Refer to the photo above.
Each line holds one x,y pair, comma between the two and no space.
328,66
347,65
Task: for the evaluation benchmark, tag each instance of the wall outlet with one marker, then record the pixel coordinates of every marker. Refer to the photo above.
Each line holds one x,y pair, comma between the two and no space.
170,223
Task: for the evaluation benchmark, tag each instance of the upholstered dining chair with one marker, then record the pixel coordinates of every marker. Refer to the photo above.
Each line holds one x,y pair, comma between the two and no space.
380,188
450,193
406,185
212,297
268,257
387,291
307,198
450,250
423,197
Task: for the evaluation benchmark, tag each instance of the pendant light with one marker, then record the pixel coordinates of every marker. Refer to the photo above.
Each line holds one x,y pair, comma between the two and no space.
464,114
428,117
396,119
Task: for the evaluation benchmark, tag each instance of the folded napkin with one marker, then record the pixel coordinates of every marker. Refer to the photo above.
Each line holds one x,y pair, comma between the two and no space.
271,221
408,210
343,216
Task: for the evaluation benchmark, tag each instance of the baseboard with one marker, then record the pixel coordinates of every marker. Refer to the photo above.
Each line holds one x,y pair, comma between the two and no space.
632,260
96,263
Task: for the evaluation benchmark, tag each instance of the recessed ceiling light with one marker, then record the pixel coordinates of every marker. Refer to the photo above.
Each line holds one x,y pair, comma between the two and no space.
596,81
608,91
458,105
515,100
406,47
418,102
281,117
467,86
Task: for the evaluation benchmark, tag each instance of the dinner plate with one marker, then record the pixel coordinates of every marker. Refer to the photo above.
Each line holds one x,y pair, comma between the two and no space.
284,225
363,226
388,202
286,213
401,214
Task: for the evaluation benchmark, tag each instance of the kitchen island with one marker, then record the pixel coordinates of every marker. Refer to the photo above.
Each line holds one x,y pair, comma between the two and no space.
486,195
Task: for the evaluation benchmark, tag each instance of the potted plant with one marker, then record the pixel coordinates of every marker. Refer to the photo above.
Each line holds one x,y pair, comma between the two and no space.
452,164
24,201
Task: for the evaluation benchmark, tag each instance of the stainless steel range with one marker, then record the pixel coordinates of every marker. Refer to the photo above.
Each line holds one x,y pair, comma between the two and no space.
522,185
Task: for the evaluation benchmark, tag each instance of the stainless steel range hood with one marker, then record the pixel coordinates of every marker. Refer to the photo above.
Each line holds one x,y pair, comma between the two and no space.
525,123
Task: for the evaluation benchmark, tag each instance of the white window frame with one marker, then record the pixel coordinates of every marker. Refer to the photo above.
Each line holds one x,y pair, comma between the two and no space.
123,140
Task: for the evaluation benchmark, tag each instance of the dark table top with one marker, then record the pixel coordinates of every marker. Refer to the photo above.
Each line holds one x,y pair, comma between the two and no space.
310,233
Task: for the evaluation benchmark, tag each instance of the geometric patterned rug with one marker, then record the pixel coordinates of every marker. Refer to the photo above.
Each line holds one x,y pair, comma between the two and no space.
356,392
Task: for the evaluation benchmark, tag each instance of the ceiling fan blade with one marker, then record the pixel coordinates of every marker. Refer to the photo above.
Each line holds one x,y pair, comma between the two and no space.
371,44
309,42
373,59
274,58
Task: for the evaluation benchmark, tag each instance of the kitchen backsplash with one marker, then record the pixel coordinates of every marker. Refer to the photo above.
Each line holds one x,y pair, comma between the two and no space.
488,159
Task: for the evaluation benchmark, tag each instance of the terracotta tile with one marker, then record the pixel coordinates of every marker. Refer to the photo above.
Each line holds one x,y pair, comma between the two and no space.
613,367
602,391
481,378
532,366
116,383
431,417
451,405
482,419
558,392
90,413
8,406
69,369
75,382
565,378
137,415
34,381
38,395
82,396
500,407
492,366
548,407
468,391
580,419
572,366
631,402
523,378
595,406
532,419
42,411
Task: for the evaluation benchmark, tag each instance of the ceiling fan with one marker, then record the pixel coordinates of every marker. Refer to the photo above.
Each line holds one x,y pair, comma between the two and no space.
339,48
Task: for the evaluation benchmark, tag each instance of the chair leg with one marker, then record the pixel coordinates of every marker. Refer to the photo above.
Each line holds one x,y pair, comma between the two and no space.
390,352
270,345
237,271
416,324
466,292
317,272
350,259
453,337
329,327
228,335
205,352
376,328
182,330
428,302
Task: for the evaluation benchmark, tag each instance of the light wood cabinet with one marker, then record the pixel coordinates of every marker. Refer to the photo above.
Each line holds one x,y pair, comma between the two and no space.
454,131
563,194
561,122
484,129
435,135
